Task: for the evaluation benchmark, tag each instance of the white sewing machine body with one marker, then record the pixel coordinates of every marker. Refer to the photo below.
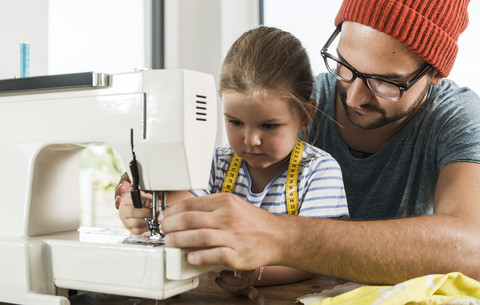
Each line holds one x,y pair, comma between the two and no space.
42,134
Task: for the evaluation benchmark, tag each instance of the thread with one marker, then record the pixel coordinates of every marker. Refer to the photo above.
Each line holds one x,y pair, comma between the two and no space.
24,59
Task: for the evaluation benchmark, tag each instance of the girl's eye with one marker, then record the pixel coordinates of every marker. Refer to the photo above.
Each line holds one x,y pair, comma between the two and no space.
270,126
235,123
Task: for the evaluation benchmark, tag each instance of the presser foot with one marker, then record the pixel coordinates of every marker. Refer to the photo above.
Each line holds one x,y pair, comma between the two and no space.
154,227
155,238
142,240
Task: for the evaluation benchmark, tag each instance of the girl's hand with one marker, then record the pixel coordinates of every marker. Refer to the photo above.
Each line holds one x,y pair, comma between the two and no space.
133,219
123,188
239,282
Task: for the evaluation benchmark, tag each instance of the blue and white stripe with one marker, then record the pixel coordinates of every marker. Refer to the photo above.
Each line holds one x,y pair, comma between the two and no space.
320,189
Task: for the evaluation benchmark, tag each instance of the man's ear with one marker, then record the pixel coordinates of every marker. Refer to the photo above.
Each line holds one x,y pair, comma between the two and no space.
310,107
436,78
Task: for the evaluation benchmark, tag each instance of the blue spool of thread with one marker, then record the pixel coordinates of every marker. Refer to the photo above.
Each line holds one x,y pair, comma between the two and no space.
24,59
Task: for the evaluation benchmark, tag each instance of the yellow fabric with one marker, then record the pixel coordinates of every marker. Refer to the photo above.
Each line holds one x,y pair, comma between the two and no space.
434,289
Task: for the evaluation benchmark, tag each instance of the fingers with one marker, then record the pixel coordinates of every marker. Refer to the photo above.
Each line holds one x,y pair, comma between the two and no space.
137,227
127,203
200,238
133,219
203,203
252,293
212,211
238,278
146,199
243,286
215,256
186,221
124,178
123,187
226,230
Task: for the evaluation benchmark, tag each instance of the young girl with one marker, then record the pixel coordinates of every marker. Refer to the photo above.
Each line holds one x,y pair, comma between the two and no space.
266,84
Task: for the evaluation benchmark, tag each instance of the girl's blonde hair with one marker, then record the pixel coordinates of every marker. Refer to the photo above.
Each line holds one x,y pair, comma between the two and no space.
267,61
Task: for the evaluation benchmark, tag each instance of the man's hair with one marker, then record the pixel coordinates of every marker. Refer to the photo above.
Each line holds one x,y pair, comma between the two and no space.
430,28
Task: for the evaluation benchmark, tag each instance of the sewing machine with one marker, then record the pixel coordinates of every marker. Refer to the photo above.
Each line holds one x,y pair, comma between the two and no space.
167,118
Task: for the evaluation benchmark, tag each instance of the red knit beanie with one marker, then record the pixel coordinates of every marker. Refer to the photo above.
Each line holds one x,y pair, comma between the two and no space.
430,28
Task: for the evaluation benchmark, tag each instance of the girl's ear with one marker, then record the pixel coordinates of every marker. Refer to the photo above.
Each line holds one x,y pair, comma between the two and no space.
310,107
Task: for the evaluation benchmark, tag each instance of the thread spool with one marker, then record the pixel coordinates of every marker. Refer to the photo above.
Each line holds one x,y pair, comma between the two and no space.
24,59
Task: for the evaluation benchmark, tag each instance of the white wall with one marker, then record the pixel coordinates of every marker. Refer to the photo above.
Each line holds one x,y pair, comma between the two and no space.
23,20
312,26
467,64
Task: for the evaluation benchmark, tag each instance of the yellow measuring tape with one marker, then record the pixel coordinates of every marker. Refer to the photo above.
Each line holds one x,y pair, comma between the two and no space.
232,174
291,191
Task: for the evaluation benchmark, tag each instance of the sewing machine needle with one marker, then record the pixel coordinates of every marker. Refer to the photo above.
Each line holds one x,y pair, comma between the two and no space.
164,200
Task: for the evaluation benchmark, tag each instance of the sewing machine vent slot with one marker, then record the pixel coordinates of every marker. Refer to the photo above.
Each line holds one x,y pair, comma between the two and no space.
201,108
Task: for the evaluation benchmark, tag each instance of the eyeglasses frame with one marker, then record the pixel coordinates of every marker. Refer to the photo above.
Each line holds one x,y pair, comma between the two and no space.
364,76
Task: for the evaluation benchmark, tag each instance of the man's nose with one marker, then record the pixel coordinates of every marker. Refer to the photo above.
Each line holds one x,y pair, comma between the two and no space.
358,93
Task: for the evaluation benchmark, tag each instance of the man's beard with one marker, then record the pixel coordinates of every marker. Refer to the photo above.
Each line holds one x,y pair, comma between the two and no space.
384,119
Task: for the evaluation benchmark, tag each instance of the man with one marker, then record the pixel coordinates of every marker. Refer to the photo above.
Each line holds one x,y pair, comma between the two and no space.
407,140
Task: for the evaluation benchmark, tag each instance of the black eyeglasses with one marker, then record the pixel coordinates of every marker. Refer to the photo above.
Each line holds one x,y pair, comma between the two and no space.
380,86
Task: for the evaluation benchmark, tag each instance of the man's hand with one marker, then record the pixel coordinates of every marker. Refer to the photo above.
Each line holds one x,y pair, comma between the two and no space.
230,231
226,230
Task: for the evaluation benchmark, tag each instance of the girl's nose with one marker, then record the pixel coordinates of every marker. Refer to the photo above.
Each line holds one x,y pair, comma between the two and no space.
252,138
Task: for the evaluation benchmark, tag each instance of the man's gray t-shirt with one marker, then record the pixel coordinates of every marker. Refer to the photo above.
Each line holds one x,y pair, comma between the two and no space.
399,180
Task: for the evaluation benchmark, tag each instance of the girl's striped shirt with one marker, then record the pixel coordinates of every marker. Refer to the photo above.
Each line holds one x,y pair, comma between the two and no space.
320,184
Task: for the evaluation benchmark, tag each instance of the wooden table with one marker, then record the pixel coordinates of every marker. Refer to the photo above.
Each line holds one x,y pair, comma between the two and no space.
208,293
